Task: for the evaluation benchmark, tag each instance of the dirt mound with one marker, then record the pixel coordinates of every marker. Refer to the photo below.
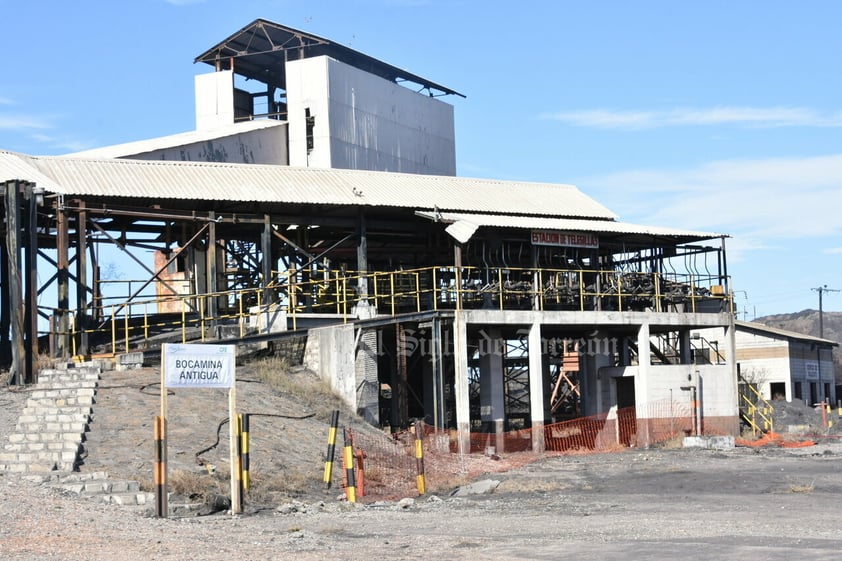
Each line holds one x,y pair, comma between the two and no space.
289,409
798,417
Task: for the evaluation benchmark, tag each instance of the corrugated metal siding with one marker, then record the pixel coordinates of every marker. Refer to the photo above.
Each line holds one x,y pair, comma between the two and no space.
283,184
130,149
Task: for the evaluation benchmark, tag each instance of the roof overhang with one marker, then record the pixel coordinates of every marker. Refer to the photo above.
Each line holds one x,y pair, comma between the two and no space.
463,225
260,50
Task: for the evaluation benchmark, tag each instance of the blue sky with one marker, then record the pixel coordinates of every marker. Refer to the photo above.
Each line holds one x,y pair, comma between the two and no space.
717,116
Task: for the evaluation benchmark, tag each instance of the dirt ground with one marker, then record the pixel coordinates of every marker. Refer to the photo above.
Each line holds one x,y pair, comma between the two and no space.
641,504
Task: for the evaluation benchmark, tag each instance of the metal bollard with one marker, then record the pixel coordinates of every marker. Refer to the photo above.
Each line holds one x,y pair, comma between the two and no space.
348,461
331,448
420,478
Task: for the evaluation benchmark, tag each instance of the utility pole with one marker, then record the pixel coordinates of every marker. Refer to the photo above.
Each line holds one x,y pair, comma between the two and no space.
821,290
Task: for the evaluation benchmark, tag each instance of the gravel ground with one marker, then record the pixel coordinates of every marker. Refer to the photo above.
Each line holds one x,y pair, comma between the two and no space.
653,504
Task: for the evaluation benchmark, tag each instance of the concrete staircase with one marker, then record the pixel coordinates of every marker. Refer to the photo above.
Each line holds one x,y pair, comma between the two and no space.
49,437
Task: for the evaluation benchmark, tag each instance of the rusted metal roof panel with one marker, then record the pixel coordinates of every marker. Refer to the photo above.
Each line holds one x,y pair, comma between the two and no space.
284,184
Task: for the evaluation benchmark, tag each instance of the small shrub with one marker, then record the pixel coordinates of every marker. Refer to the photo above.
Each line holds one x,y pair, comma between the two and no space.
800,487
194,485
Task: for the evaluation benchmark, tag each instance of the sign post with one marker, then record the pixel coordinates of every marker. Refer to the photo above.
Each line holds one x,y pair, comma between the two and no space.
205,366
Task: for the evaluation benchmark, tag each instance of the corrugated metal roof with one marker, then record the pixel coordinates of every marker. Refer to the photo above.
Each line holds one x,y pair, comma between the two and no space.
567,224
786,334
17,167
284,184
129,149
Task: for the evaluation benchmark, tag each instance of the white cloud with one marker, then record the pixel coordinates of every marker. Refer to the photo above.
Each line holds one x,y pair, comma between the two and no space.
764,202
6,101
744,116
833,250
183,2
22,122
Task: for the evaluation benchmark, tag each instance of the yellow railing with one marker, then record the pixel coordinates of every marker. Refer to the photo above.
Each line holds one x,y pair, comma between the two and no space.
297,292
758,411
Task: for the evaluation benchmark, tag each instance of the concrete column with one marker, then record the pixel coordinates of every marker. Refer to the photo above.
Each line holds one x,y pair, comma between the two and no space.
460,383
536,387
492,390
731,357
367,379
641,385
684,347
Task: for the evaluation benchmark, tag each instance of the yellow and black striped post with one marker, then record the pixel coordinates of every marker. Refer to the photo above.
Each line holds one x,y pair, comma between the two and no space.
420,478
244,445
239,471
160,467
331,448
348,463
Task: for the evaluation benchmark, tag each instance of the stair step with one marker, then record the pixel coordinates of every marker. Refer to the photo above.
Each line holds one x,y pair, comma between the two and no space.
40,409
58,446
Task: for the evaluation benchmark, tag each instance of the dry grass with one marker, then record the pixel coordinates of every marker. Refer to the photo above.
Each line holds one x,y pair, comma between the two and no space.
267,486
671,443
196,485
306,386
801,487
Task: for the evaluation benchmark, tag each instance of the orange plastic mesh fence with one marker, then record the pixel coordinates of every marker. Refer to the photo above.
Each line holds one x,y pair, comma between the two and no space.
389,464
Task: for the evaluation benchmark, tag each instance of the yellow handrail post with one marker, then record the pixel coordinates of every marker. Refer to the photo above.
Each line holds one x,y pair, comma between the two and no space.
259,308
240,319
581,291
344,299
619,291
183,320
128,311
693,293
113,331
202,317
417,292
500,285
657,292
435,291
338,296
146,323
392,290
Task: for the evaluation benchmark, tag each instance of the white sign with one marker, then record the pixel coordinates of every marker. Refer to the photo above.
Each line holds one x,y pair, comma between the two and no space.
566,239
812,370
199,366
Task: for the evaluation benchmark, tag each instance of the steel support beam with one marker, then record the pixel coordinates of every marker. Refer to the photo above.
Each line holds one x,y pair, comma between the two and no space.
13,249
62,312
82,311
31,276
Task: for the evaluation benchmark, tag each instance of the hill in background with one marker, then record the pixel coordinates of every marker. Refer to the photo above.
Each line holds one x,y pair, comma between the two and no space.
807,322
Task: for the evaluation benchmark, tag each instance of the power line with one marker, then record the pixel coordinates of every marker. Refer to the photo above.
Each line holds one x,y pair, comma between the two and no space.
821,290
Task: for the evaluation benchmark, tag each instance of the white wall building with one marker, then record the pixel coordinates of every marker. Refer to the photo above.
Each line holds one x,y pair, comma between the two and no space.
784,364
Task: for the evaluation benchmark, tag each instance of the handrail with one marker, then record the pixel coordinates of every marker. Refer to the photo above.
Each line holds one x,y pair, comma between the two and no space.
297,291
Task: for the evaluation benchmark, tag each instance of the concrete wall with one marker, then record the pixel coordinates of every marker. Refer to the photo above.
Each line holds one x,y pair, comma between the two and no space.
330,353
659,395
362,121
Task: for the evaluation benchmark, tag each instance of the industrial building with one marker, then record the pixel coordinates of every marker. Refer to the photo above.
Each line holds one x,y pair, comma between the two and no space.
786,365
317,201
